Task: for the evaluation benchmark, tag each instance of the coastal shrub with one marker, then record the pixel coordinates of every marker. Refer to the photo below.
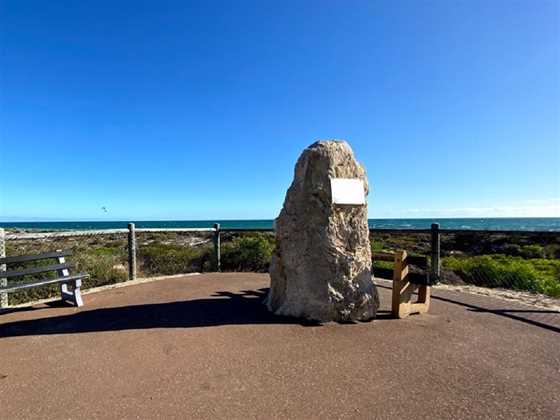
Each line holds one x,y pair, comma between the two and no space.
251,253
111,249
103,267
511,249
382,269
246,253
164,259
552,251
532,251
535,275
377,245
383,264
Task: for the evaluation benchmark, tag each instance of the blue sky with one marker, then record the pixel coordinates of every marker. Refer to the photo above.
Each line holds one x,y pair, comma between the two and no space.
199,110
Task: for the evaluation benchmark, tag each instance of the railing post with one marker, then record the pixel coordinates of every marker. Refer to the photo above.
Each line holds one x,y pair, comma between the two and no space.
435,266
131,252
217,246
400,272
3,281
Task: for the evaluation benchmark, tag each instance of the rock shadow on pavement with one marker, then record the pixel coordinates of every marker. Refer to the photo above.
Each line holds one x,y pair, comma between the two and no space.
222,308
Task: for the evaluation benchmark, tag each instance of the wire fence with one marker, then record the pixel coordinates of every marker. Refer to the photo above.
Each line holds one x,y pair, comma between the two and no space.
528,261
515,260
166,253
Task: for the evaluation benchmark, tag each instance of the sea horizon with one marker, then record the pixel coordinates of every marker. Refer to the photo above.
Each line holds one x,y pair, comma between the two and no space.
545,224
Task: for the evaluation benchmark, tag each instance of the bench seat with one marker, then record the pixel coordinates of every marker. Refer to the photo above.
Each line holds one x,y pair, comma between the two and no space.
26,285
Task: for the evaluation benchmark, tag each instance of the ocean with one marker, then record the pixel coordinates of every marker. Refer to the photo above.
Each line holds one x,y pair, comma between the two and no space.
548,224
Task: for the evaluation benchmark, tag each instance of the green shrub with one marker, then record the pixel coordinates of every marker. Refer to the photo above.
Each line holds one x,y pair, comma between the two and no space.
552,251
377,246
157,258
384,264
532,251
246,253
113,250
103,268
535,275
251,253
511,249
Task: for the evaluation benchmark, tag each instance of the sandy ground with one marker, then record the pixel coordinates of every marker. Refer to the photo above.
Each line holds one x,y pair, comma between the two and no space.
516,296
205,347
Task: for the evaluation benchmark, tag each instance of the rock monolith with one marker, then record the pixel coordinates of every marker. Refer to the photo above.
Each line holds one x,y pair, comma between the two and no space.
321,267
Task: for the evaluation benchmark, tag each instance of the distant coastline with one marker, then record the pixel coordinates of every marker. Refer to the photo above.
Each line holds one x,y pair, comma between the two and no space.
516,223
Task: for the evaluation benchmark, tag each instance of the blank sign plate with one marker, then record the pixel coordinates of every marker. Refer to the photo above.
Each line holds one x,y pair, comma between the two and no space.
349,191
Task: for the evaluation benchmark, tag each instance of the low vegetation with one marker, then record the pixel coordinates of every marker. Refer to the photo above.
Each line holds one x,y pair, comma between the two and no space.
492,260
251,253
518,262
165,259
511,272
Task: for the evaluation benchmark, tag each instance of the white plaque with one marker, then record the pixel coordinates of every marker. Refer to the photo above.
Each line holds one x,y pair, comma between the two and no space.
349,191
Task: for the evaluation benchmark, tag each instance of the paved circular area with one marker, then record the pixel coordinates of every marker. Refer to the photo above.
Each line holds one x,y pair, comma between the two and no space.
205,347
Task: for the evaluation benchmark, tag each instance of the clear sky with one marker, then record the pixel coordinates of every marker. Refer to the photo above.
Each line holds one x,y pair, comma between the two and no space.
199,110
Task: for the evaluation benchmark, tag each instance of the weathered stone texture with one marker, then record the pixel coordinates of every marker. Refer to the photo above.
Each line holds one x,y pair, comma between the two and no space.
321,268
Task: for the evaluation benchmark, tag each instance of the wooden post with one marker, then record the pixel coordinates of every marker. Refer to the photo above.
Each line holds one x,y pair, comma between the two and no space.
131,252
435,266
217,248
3,281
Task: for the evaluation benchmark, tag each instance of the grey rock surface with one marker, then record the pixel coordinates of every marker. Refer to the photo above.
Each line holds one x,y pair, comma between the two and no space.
321,267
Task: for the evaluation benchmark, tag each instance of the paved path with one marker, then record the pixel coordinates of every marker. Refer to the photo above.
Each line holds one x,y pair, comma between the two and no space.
204,347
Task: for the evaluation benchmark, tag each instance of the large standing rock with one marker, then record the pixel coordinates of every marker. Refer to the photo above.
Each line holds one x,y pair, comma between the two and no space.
321,268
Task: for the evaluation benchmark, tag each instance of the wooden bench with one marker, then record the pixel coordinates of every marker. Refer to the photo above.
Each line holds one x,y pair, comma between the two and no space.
405,283
69,284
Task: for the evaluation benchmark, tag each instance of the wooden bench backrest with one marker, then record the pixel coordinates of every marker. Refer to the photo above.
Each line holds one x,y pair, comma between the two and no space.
419,261
404,287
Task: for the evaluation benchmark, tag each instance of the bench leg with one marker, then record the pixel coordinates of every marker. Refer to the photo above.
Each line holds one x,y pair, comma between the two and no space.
74,296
